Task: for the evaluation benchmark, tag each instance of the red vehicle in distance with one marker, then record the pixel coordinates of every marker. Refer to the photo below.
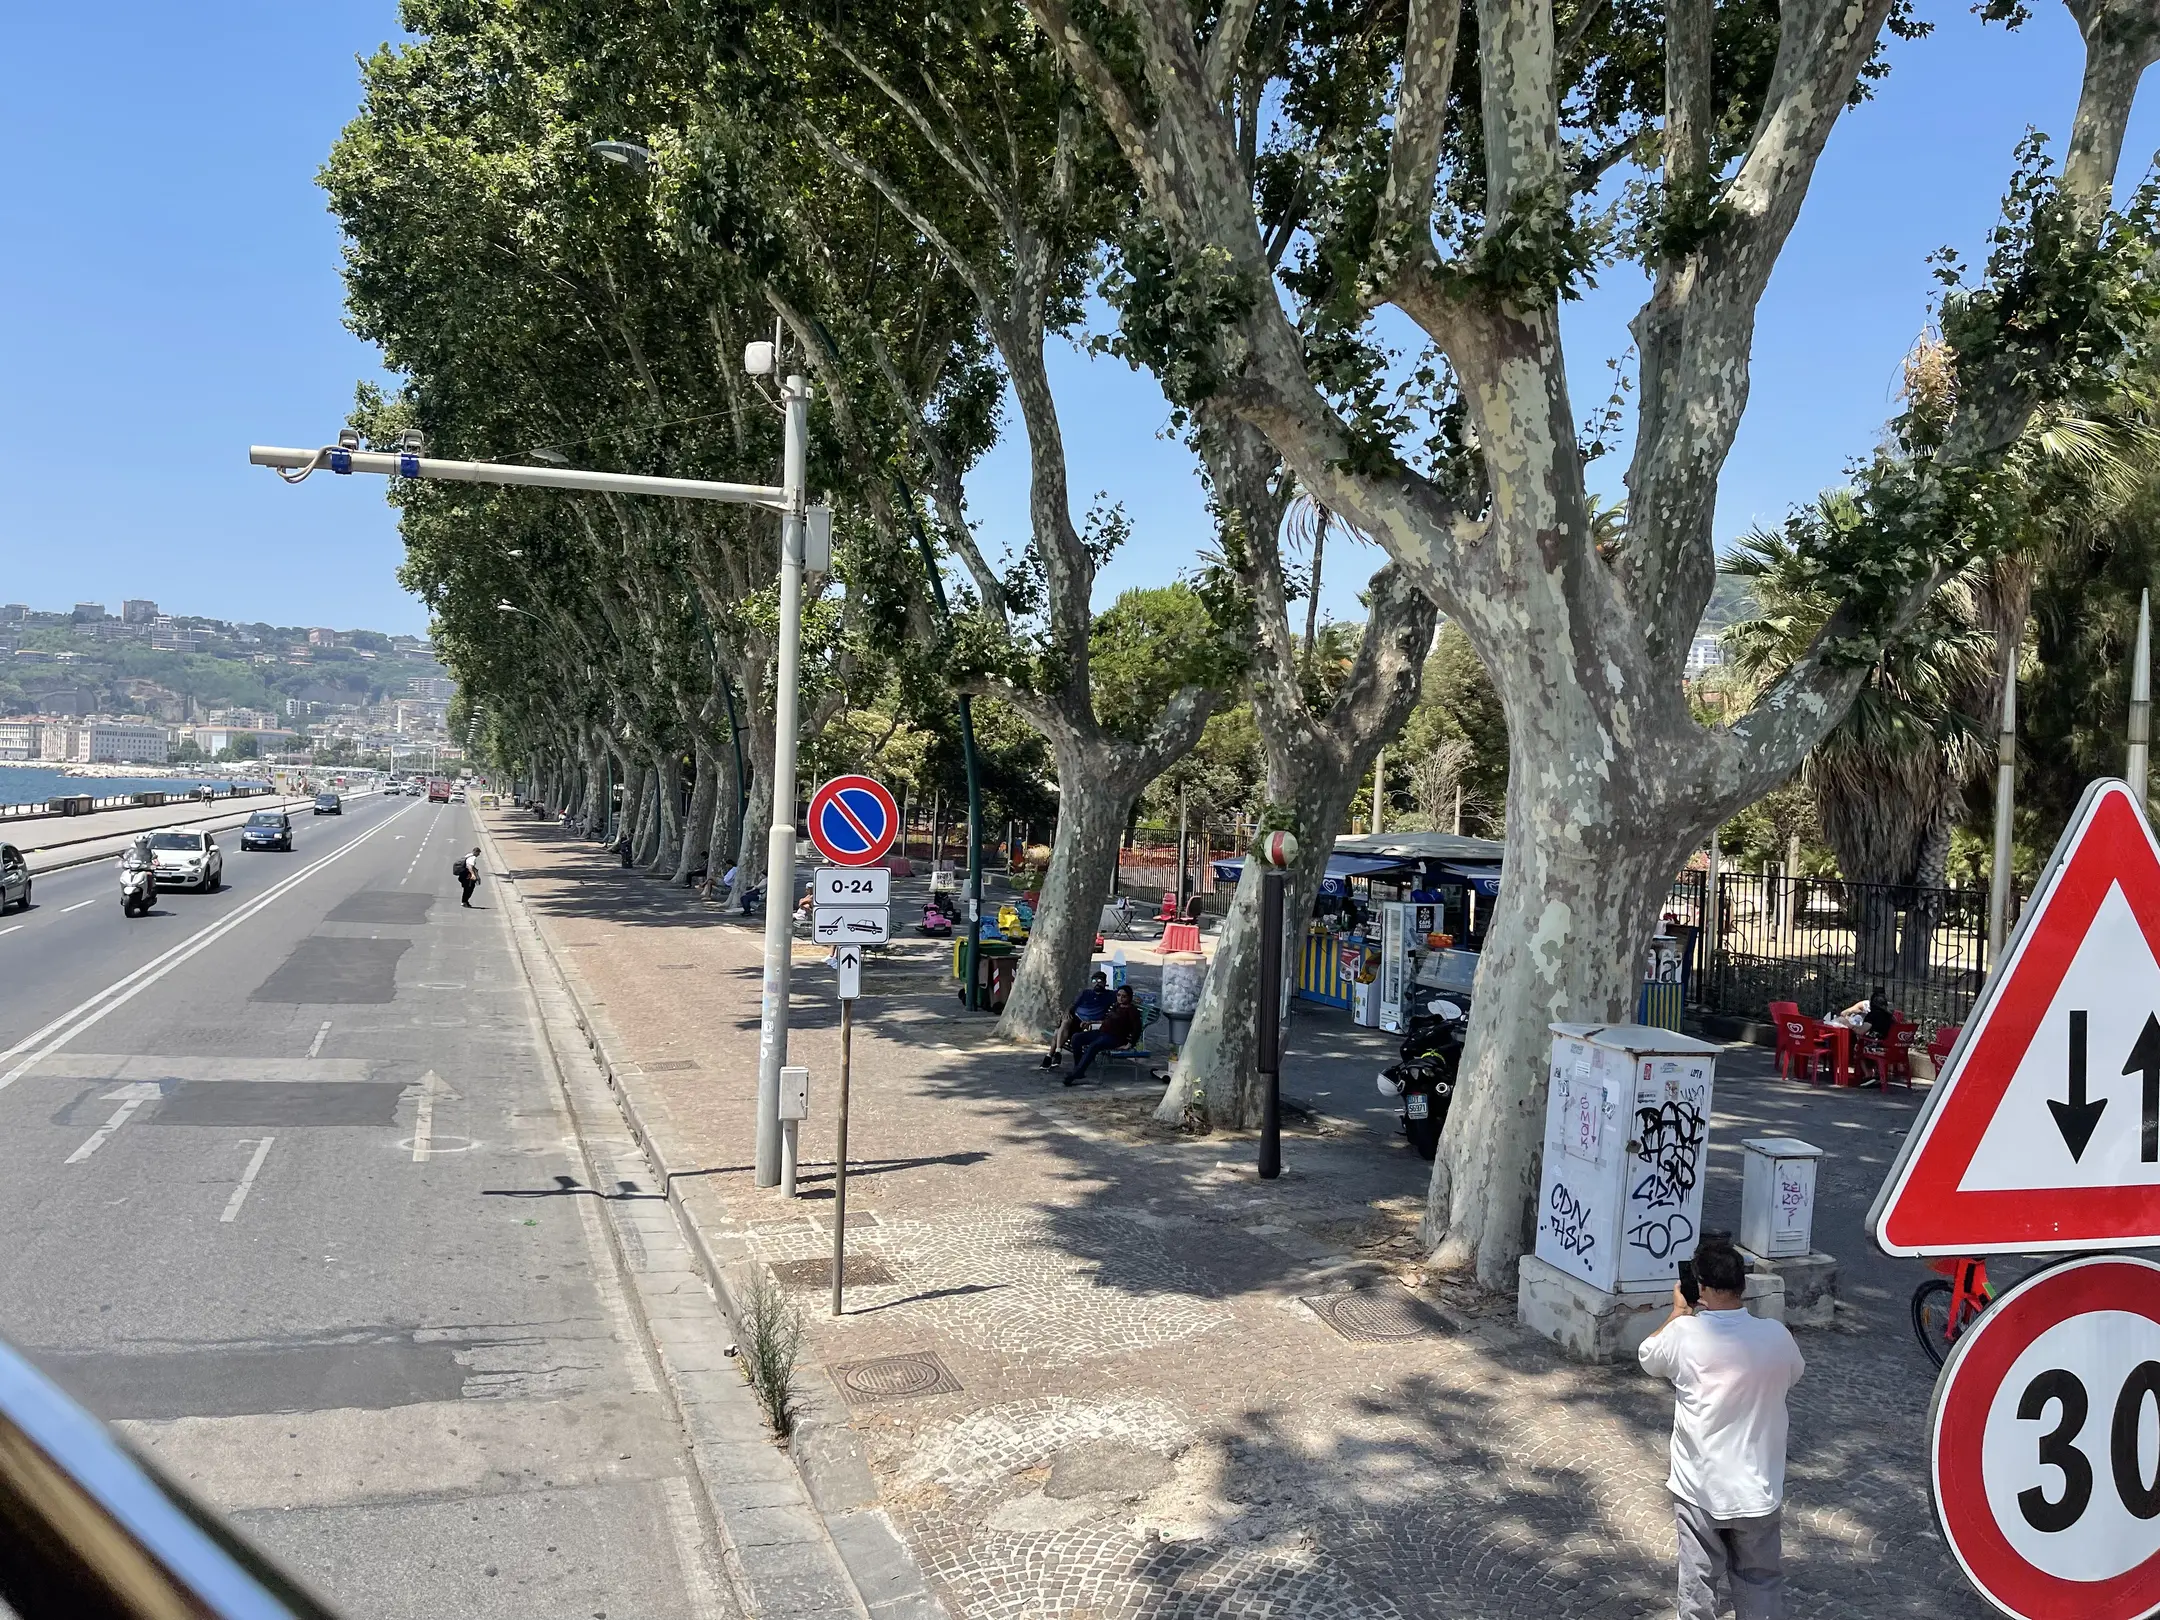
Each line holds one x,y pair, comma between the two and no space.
438,791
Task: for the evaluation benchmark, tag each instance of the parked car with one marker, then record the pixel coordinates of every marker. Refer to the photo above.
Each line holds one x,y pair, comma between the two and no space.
14,878
329,804
184,859
267,829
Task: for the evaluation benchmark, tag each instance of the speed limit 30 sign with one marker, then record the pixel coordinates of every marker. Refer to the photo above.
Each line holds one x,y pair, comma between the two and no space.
2044,1444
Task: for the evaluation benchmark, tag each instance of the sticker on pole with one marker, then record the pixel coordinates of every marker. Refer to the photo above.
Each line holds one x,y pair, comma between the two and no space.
2044,1444
853,820
2043,1133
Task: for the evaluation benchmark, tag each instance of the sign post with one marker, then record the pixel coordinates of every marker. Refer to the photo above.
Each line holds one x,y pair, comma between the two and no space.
839,1197
1277,851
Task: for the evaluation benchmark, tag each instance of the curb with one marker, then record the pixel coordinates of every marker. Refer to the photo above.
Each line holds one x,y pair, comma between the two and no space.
824,1454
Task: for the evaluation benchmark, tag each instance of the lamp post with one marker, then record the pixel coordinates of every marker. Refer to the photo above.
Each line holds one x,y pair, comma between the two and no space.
787,498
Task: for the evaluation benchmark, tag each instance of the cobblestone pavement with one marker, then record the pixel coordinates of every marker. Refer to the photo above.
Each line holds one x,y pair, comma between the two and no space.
1149,1422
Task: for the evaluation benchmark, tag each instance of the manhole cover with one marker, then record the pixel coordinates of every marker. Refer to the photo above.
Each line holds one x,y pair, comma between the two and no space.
863,1271
1377,1315
670,1063
888,1378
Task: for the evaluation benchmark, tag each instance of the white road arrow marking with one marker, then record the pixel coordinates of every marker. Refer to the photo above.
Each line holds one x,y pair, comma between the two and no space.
424,1125
130,1097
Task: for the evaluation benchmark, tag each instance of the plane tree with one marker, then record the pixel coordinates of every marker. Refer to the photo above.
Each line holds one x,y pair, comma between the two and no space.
1462,170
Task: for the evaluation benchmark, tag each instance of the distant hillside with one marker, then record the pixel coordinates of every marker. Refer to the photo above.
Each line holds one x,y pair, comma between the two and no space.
1733,599
53,668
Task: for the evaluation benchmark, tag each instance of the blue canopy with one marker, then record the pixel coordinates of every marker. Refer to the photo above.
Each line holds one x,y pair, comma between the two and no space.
1340,868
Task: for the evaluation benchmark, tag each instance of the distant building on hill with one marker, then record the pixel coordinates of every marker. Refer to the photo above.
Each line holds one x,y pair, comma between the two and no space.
138,610
89,612
1705,653
22,738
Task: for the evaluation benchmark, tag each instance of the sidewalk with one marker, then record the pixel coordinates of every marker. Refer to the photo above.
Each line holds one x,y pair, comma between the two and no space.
1079,1370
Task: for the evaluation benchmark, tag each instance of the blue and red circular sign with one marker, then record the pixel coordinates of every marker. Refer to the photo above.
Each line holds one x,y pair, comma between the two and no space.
853,820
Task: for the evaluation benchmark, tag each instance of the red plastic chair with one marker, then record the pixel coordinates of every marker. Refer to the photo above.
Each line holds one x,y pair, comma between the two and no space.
1889,1058
1939,1044
1779,1012
1801,1045
1169,912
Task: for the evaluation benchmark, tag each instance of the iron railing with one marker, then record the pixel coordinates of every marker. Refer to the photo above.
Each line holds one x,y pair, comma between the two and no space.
1825,943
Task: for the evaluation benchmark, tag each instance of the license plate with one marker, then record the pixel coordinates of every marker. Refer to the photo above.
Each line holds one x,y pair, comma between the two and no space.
1418,1105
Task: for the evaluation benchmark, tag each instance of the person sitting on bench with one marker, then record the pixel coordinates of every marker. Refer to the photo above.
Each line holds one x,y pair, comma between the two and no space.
1121,1027
1084,1014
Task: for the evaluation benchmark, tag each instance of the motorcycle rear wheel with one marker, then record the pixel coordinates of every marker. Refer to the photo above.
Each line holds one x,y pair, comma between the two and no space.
1424,1135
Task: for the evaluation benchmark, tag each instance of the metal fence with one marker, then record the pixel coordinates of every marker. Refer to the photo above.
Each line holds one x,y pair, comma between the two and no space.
1825,943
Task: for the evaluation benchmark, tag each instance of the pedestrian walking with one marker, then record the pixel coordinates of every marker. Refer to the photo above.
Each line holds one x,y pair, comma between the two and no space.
1730,1372
467,868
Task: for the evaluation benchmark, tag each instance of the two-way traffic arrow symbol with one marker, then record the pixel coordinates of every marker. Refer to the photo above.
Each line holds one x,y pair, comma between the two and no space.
2077,1117
2145,1059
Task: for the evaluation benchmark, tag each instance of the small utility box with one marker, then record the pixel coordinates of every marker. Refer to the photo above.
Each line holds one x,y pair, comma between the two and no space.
1627,1123
1777,1197
794,1093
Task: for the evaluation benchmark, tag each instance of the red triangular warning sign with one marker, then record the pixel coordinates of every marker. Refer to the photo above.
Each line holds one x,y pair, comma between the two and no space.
2043,1132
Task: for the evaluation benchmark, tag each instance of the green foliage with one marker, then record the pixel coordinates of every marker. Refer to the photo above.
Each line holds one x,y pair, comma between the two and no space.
1457,735
1149,645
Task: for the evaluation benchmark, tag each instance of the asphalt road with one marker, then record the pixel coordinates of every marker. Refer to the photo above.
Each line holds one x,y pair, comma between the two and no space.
294,1202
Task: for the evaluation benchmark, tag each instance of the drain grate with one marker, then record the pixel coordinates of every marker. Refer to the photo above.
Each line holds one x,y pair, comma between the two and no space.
892,1378
863,1271
1382,1314
669,1063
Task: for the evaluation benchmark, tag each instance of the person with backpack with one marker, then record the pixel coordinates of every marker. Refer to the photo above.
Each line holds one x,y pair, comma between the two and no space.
467,870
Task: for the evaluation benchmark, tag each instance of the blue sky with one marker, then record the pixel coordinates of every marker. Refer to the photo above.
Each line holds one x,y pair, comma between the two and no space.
171,295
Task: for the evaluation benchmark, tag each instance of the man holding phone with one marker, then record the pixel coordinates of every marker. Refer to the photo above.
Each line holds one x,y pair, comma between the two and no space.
1730,1372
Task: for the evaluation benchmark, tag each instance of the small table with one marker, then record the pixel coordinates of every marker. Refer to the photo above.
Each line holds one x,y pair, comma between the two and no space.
1840,1038
1181,937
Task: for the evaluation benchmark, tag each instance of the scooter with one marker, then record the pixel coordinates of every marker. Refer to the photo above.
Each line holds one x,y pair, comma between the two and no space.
1424,1080
138,891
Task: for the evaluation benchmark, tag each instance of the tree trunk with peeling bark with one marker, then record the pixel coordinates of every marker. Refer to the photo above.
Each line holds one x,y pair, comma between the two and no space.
1075,886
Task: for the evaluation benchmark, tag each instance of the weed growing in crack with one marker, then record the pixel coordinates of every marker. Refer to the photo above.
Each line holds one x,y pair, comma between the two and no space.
772,1334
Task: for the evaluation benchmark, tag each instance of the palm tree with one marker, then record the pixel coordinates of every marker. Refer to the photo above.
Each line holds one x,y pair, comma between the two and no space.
1889,779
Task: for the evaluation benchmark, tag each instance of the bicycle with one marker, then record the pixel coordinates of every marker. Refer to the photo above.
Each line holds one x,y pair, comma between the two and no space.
1945,1306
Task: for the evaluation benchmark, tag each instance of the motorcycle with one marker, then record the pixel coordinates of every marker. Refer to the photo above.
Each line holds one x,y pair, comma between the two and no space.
1424,1081
138,891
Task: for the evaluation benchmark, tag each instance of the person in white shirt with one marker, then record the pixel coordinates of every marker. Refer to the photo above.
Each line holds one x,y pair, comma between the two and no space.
1729,1373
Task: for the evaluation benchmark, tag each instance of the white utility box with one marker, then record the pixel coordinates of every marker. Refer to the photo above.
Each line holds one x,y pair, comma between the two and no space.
794,1093
1627,1123
1777,1197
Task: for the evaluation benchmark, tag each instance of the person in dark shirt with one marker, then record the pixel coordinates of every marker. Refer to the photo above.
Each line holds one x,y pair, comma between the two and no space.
1084,1014
1875,1012
1121,1026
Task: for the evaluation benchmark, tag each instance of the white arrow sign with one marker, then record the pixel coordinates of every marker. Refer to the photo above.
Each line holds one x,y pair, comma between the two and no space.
848,960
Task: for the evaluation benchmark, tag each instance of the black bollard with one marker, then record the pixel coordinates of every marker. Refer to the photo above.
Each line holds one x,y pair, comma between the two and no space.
1272,886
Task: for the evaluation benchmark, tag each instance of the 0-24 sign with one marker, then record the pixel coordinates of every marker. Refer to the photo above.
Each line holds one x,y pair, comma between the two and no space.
2044,1444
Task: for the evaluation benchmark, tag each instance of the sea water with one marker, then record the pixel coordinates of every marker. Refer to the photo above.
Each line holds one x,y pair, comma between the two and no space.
34,784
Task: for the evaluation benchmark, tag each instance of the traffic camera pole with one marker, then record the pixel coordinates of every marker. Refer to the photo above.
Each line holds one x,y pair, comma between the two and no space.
780,842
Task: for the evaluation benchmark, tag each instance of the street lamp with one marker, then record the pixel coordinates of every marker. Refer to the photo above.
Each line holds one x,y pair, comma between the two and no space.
626,153
797,524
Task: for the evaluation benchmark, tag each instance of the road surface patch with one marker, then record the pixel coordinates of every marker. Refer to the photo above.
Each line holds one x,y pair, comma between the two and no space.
264,1103
323,970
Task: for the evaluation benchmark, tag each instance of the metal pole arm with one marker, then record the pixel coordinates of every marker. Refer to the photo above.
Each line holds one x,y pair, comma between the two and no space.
497,472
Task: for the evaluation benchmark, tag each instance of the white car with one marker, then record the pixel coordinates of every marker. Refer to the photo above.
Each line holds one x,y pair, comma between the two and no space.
187,860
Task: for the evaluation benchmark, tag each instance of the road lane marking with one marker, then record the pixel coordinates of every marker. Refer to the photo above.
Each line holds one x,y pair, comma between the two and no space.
424,1125
56,1034
247,1178
77,906
13,928
135,1096
315,1046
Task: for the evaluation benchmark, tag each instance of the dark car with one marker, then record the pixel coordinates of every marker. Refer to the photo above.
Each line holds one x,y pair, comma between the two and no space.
14,878
267,829
329,804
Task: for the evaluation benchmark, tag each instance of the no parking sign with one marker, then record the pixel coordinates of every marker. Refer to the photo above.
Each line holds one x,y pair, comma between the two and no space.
2044,1444
853,820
